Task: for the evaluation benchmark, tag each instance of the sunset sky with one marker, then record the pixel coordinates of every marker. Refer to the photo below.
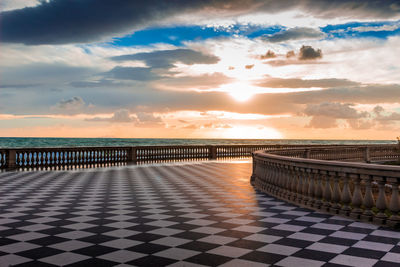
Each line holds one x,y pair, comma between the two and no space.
200,69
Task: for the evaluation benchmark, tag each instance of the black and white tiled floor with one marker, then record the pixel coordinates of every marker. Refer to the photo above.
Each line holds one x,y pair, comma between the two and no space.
193,214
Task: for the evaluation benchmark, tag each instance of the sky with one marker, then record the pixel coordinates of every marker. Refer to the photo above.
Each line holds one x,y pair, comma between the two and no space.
296,69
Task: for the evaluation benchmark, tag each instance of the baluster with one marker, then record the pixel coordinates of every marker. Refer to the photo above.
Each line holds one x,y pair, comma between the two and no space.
336,193
294,183
318,190
305,186
289,183
311,187
381,201
357,199
368,199
346,195
327,194
394,205
300,185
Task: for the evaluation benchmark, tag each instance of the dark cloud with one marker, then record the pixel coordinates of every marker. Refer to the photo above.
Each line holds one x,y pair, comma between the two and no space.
300,83
307,52
43,73
334,110
132,73
81,21
167,58
72,103
297,33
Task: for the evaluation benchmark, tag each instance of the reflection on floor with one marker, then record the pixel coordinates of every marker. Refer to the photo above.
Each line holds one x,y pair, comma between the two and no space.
189,214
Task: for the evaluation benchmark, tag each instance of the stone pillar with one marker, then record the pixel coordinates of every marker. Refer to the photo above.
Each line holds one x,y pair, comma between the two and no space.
212,152
11,163
132,157
367,157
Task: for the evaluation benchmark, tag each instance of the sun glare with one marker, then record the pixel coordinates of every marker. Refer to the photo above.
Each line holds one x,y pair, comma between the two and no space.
239,91
249,132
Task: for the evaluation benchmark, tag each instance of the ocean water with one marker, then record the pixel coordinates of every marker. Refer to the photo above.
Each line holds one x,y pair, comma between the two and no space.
14,142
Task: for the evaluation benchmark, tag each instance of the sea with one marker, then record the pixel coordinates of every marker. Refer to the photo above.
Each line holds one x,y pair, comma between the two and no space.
23,142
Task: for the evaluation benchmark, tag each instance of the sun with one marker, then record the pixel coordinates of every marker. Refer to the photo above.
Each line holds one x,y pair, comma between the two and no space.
240,91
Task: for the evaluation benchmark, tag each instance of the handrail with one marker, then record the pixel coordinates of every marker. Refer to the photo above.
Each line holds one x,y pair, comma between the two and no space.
76,157
363,191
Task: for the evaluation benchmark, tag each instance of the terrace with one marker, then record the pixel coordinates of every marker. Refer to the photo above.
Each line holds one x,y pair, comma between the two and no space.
194,213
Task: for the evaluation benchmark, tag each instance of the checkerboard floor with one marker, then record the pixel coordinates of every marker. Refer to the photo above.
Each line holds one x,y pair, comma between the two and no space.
193,214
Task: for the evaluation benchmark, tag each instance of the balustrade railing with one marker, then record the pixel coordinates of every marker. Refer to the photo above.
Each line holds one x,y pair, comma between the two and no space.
328,179
47,158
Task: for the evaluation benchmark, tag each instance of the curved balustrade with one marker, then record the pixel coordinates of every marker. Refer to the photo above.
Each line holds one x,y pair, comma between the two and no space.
368,192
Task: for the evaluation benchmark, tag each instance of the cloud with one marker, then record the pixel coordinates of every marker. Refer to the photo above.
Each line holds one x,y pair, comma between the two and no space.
385,117
200,82
307,52
297,33
132,73
290,54
66,21
217,126
325,115
375,28
75,102
140,119
269,54
90,84
300,83
334,110
167,58
322,122
121,115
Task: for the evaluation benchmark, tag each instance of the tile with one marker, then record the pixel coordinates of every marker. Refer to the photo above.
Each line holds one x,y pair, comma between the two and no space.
122,256
64,258
307,237
263,238
348,235
121,243
216,239
353,261
177,253
392,257
71,245
279,249
243,263
229,251
326,247
373,246
12,259
170,241
294,261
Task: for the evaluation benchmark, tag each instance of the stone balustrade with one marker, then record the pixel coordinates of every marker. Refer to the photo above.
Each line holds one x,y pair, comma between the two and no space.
77,157
331,180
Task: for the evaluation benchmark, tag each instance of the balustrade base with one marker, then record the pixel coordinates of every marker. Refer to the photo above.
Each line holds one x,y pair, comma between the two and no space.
394,221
